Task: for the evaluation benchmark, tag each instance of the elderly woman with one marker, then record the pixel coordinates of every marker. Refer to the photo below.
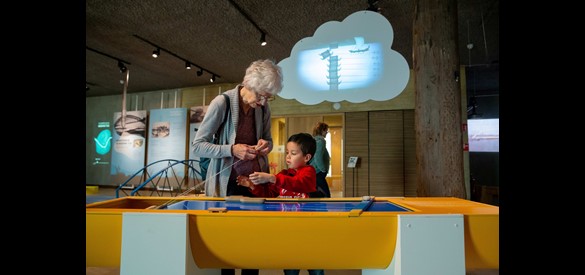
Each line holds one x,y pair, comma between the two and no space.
244,140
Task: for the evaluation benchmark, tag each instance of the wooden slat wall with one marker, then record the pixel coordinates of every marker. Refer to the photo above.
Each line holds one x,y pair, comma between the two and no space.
384,141
409,154
386,153
336,154
302,124
356,145
279,138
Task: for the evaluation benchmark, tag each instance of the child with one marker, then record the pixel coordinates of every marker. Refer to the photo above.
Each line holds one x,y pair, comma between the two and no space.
295,182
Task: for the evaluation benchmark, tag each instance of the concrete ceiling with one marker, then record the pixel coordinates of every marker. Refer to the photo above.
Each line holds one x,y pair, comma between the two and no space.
218,36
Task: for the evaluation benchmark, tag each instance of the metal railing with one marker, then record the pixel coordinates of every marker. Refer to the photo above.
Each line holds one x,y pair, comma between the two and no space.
165,180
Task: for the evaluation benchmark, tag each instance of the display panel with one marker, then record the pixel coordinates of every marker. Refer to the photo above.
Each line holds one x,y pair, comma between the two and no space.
103,143
352,60
167,139
129,139
484,135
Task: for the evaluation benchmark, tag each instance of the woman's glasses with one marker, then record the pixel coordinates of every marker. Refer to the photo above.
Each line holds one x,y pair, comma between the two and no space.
265,98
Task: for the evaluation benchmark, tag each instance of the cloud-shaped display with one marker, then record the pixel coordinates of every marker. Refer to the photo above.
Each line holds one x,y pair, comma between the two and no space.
350,60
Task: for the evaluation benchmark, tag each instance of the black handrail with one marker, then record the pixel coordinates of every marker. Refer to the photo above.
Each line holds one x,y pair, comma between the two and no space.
172,162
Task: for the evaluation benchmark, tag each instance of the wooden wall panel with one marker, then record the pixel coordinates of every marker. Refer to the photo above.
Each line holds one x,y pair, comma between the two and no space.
356,144
386,153
302,124
278,131
335,180
336,154
384,141
409,154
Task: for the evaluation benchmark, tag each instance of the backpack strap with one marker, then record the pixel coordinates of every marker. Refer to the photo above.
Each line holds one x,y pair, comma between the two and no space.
204,162
220,129
227,103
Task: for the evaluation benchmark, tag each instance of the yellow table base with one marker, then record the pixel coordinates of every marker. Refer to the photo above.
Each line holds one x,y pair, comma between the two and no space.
326,240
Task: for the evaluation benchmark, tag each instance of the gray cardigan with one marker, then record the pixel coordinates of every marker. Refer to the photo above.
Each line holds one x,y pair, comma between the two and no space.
219,170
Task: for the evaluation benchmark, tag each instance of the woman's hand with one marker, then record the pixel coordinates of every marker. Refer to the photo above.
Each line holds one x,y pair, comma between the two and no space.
263,147
261,177
244,151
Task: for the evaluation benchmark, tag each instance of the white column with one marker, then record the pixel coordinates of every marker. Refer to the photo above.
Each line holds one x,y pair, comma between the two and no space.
427,244
158,243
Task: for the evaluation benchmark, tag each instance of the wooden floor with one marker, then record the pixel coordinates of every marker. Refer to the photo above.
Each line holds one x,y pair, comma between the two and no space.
105,193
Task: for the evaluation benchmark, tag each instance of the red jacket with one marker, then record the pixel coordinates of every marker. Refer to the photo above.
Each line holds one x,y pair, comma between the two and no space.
290,183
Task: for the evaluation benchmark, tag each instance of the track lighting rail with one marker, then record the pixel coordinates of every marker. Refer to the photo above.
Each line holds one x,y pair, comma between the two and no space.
187,62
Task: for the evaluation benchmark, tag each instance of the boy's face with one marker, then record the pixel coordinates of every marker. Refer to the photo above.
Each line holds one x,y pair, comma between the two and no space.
295,157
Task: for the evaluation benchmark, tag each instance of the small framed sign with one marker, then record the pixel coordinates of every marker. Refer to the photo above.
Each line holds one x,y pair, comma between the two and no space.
351,163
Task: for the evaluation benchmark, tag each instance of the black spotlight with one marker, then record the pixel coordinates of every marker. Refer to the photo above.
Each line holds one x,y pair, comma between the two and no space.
373,6
122,67
263,39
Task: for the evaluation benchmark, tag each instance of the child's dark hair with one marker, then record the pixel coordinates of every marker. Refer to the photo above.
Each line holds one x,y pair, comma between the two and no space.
306,142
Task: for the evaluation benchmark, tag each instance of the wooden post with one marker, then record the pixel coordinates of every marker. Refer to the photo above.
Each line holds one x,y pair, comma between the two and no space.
439,144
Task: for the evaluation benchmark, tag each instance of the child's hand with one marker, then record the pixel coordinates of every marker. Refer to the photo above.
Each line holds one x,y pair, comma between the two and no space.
244,181
261,177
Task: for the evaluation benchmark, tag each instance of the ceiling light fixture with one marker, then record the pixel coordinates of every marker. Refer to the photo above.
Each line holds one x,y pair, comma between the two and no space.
121,63
156,53
373,6
263,39
212,79
188,63
262,32
122,66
